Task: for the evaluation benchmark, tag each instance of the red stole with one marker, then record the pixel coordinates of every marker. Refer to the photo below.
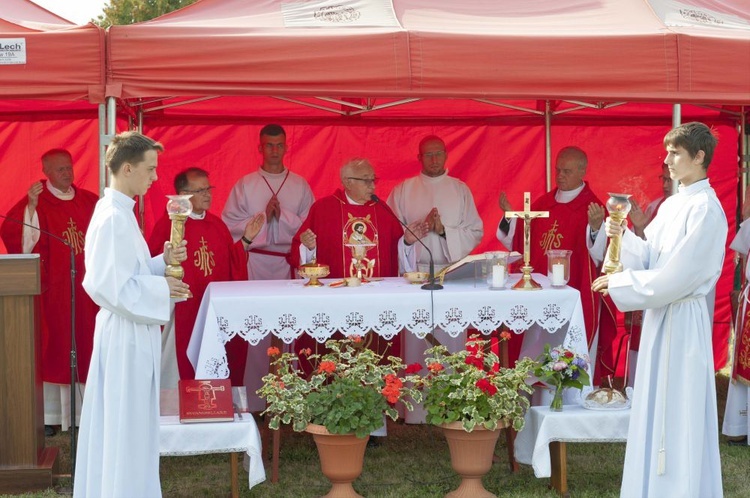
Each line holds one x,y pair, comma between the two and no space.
339,226
741,363
212,257
68,220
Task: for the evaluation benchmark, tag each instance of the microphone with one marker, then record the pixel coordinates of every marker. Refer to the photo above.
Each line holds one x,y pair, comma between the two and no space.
431,285
73,349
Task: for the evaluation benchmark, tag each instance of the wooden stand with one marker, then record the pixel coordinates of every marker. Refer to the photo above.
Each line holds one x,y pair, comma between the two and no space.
25,464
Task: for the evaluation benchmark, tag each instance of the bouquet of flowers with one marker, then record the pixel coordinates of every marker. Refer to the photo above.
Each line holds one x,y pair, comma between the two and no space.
349,390
561,368
470,387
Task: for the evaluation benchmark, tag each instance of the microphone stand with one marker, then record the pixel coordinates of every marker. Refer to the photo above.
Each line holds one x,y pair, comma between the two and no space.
73,348
430,285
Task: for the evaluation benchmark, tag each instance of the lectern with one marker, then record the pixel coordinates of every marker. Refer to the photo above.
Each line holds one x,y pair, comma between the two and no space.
25,463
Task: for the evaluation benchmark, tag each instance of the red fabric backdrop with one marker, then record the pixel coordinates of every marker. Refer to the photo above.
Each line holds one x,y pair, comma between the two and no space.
489,157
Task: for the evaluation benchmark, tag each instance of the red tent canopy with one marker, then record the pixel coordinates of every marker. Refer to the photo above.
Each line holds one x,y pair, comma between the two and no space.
63,61
570,49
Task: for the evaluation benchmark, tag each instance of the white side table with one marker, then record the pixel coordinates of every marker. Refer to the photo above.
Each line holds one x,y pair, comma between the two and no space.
176,439
541,443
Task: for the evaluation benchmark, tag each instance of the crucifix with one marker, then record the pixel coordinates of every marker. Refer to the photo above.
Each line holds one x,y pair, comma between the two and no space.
526,282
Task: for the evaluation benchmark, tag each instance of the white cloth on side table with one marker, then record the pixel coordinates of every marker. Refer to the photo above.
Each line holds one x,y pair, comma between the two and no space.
176,439
574,424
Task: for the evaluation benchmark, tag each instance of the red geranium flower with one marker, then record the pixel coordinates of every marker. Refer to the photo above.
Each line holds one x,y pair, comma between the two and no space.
392,389
475,360
413,368
505,335
273,351
326,367
435,367
486,386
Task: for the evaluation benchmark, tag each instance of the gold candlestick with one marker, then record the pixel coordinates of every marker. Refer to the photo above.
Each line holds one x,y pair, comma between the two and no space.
526,282
178,209
618,207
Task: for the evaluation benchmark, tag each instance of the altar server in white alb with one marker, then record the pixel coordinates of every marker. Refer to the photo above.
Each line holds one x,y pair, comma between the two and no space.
673,436
118,446
445,204
285,198
736,422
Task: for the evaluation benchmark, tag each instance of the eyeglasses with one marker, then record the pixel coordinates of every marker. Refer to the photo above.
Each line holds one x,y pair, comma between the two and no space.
437,153
200,191
366,181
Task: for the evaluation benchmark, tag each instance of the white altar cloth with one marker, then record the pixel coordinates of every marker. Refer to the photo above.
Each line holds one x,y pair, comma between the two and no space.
176,439
574,424
287,309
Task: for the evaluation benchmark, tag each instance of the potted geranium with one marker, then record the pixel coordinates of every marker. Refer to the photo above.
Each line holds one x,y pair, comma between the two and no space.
344,398
471,397
560,368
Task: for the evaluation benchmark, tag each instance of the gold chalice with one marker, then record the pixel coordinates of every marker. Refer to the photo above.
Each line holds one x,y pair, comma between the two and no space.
314,271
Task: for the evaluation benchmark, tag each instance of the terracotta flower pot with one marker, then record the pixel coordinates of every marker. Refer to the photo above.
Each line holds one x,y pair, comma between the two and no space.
341,459
471,458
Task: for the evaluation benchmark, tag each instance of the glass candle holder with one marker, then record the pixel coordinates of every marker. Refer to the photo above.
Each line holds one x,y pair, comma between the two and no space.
558,267
497,268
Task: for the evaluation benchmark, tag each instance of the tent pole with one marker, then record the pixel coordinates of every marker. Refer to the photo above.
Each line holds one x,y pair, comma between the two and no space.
744,160
676,121
103,141
548,143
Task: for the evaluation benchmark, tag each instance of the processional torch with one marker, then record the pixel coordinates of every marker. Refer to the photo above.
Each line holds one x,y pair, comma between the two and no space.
178,209
618,206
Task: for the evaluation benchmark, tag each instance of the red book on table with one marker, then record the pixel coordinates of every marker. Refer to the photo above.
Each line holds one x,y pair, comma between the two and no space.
205,400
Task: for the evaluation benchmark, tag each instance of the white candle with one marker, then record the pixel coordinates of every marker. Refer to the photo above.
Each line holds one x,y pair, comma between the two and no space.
498,275
558,274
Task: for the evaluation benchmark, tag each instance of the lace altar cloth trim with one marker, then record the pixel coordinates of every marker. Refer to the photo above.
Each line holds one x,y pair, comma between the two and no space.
287,309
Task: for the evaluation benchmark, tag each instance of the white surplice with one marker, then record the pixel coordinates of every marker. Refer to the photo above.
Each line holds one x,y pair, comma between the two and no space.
411,201
736,422
414,198
673,438
249,196
118,445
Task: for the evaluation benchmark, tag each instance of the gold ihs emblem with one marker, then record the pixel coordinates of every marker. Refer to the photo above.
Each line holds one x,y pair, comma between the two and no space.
204,259
74,237
551,239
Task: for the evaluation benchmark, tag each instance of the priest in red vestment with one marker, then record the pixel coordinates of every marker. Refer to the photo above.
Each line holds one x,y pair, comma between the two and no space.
566,228
213,256
56,205
350,222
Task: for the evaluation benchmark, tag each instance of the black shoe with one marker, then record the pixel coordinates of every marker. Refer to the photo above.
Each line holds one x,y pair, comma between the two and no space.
49,430
374,442
737,442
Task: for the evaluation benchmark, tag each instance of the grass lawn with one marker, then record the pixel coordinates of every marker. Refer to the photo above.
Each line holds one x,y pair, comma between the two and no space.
414,462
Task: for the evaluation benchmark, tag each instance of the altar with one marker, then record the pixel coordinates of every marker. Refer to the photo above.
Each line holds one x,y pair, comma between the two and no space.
287,309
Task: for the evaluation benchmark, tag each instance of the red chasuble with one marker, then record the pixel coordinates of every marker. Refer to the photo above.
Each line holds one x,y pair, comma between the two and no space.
566,229
68,220
339,226
343,228
212,257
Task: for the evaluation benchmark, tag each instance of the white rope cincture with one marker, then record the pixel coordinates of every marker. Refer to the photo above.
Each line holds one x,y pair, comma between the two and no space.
661,465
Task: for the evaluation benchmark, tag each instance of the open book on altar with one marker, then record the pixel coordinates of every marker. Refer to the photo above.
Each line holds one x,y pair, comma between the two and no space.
461,269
